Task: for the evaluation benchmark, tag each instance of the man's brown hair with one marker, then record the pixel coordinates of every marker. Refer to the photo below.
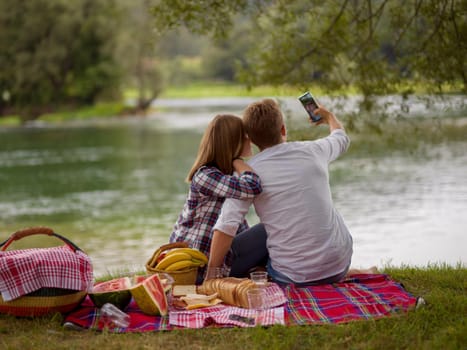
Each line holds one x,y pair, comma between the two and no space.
263,121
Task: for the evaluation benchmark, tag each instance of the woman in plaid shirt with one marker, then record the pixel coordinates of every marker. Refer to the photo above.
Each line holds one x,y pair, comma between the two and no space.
212,180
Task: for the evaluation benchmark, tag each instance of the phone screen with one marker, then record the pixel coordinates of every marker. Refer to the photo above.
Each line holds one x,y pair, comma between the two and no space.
310,104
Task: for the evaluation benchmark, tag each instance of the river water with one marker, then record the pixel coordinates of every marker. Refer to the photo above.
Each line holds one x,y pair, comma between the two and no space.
115,188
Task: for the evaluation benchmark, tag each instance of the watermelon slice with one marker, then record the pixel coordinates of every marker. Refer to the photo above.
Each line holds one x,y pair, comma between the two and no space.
150,296
166,280
115,291
138,279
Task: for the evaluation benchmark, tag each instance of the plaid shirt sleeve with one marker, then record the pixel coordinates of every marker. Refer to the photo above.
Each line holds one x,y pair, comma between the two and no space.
212,182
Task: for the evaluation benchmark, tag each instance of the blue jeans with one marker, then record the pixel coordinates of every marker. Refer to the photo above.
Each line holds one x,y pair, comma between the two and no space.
282,279
249,250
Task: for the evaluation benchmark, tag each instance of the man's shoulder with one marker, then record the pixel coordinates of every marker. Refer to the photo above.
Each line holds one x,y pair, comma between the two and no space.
279,150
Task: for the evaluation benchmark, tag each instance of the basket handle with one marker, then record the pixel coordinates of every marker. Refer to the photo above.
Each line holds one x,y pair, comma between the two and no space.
37,230
169,246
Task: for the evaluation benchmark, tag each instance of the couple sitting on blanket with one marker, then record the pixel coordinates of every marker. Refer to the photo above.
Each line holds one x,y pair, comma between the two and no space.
301,239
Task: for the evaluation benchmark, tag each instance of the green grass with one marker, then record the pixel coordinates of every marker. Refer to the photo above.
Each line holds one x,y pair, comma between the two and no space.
100,110
441,324
12,120
228,89
220,89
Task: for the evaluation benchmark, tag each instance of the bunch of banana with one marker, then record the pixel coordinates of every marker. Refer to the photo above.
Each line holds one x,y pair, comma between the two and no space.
182,258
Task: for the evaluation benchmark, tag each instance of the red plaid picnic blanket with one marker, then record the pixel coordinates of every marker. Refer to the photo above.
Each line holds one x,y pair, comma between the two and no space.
362,297
25,271
87,316
358,298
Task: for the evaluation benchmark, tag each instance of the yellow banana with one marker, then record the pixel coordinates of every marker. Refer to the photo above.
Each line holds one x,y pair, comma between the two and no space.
195,253
198,262
169,259
180,265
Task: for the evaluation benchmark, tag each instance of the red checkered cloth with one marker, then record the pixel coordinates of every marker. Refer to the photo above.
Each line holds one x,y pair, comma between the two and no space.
230,315
25,271
224,315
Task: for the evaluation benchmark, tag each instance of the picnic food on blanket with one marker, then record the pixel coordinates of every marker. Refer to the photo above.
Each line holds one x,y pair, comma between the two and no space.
231,290
150,296
361,298
195,301
181,258
187,297
115,291
118,290
165,279
184,289
178,260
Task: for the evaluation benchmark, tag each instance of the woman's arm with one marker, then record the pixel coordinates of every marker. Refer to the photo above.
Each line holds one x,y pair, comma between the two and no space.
210,181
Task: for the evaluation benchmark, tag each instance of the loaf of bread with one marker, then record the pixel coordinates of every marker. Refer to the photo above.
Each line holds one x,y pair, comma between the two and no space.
231,290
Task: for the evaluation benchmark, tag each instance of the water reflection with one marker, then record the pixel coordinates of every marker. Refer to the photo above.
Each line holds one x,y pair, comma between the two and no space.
116,188
408,210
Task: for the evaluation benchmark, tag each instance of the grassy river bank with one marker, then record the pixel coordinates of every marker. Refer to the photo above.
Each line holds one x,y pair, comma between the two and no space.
440,324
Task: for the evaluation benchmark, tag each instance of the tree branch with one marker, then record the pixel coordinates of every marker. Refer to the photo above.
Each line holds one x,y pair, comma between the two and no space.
300,60
377,14
435,30
409,23
460,60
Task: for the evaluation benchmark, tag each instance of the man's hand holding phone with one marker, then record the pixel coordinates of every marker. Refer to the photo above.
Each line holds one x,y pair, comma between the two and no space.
318,114
310,105
328,118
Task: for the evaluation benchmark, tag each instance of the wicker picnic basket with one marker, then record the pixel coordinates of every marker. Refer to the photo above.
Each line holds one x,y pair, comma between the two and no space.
45,300
182,277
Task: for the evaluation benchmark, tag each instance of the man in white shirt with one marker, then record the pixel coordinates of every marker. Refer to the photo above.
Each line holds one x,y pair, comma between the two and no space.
304,238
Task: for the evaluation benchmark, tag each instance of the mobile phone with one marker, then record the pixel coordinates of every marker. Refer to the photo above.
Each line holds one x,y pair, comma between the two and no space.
310,104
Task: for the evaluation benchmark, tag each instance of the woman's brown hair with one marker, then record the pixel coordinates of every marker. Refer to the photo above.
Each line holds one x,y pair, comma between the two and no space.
221,143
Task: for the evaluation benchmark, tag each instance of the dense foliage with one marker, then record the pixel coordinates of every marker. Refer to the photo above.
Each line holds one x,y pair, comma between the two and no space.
55,52
373,45
64,54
